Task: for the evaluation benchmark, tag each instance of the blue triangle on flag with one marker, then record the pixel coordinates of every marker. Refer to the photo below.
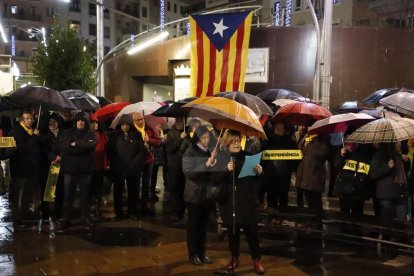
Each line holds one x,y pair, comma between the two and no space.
220,27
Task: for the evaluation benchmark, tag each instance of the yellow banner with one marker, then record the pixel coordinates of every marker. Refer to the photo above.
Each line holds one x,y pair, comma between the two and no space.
7,142
52,179
282,155
352,164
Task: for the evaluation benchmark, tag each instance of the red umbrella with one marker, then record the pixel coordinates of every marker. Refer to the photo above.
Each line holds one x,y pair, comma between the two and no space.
109,111
339,123
301,113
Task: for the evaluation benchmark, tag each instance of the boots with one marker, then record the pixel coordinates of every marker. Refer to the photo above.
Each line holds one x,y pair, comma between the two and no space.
236,263
257,266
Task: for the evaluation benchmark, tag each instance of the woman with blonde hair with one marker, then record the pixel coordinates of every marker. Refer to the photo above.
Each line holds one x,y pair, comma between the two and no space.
230,161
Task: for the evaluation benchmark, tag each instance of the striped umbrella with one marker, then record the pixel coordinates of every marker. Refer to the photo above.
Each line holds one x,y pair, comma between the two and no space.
383,131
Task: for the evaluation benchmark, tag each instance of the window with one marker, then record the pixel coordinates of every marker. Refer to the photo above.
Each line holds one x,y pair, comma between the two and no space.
106,50
75,5
168,6
92,9
175,8
298,5
144,12
33,11
107,32
75,25
50,12
13,9
92,29
106,14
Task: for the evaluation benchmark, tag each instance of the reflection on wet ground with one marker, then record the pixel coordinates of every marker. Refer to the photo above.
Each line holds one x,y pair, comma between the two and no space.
156,246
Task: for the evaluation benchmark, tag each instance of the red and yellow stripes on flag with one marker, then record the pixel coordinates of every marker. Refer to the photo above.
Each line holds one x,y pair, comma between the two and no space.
213,71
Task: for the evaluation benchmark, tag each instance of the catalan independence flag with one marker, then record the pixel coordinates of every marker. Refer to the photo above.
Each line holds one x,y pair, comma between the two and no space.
219,45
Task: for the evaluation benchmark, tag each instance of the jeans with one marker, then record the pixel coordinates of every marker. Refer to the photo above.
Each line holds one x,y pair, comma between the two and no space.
197,221
71,181
24,192
145,173
391,208
132,185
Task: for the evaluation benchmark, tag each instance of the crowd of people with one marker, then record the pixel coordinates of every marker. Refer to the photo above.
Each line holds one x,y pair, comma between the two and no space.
199,169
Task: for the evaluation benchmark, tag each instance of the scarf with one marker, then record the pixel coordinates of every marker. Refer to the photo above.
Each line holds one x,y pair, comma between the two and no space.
55,131
28,130
310,138
203,148
141,130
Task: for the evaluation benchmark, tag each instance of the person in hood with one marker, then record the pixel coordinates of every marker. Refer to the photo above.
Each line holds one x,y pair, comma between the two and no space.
77,167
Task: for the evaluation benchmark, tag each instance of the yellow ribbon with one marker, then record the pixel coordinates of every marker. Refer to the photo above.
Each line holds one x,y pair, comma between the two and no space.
28,130
310,138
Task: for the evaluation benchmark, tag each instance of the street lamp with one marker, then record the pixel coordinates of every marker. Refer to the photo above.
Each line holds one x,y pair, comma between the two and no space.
35,31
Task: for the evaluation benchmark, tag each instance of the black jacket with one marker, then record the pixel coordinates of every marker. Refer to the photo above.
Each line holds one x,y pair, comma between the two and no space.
197,175
78,159
384,176
25,158
246,193
126,153
173,144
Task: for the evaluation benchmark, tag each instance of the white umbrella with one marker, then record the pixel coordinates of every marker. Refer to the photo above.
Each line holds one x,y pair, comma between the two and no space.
125,115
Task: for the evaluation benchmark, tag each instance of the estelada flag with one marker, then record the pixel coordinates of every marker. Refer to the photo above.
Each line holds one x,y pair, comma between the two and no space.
219,45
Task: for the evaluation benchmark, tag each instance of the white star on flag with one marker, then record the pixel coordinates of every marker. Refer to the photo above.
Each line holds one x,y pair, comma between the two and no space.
219,28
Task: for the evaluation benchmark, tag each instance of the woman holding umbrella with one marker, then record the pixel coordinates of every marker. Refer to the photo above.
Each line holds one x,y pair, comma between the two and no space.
389,168
197,164
231,159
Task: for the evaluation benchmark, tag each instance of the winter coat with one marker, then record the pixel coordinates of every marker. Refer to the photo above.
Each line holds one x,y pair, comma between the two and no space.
197,175
384,175
279,168
154,140
174,159
353,173
25,158
246,192
311,171
126,153
78,159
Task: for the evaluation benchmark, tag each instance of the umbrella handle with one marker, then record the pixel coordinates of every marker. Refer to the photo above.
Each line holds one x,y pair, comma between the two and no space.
218,139
342,138
38,117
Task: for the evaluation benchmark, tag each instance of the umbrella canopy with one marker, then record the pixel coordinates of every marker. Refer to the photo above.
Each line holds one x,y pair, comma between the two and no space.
283,102
226,114
351,107
40,96
383,131
125,115
174,109
81,99
103,101
375,97
339,123
253,102
301,113
402,102
271,95
380,113
109,111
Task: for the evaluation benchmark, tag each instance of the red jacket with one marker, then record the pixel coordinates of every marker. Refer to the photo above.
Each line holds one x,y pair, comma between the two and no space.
100,161
154,140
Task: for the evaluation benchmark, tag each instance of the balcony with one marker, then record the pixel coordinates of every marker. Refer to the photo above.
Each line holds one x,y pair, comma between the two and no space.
23,16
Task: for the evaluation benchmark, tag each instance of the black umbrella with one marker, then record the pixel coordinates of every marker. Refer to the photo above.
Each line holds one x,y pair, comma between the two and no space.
174,110
251,101
103,101
351,107
39,96
271,95
375,97
81,99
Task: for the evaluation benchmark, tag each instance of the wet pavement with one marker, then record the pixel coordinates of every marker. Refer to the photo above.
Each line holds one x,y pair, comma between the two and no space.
156,246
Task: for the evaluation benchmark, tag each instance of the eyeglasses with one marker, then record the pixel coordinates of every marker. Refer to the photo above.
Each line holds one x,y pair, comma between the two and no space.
237,141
